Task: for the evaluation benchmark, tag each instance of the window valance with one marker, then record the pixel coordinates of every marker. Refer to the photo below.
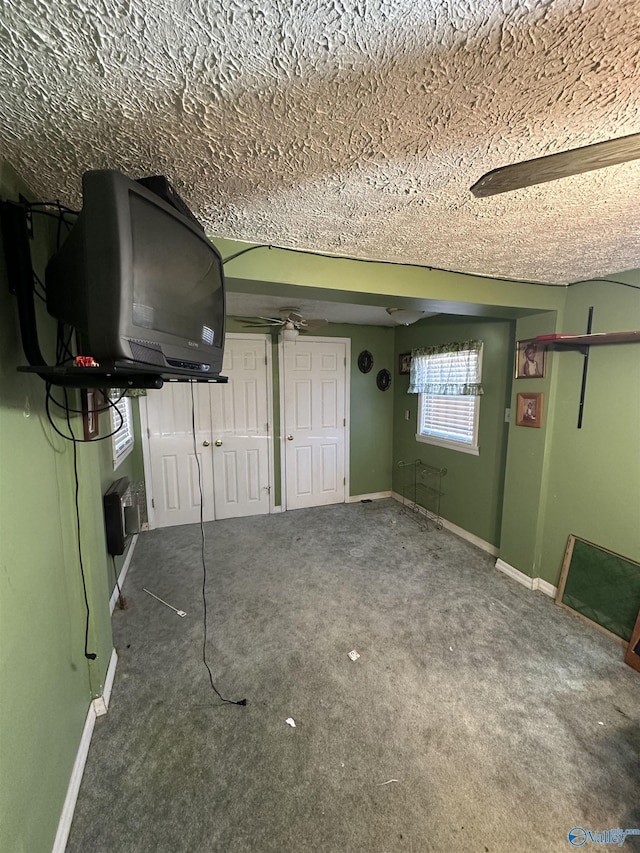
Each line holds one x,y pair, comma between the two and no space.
451,370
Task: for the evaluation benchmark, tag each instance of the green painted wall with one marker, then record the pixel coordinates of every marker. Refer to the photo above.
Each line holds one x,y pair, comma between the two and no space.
527,460
371,410
593,482
473,485
46,682
563,480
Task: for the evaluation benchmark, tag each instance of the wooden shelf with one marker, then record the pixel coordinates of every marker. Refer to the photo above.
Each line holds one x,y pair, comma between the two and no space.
582,344
568,341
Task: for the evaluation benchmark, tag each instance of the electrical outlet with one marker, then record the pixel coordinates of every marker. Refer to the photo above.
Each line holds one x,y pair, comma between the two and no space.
507,416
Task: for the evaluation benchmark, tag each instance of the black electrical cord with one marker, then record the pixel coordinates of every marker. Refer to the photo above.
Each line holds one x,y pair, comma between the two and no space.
38,283
419,266
111,404
204,562
68,410
384,263
75,441
122,601
89,655
63,346
56,204
60,217
64,354
607,280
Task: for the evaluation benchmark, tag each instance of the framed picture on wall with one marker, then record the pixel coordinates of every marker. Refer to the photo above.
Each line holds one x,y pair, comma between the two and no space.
529,412
404,363
530,360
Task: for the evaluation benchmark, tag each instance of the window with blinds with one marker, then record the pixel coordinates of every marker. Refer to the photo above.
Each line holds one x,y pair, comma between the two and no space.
121,427
450,420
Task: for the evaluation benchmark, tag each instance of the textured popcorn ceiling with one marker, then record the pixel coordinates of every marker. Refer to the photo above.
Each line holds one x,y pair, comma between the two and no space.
354,127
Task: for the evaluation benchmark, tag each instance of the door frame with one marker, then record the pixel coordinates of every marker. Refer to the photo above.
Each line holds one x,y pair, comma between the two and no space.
145,432
347,412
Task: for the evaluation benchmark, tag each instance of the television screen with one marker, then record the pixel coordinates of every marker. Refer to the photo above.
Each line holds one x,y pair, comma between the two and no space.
165,256
139,281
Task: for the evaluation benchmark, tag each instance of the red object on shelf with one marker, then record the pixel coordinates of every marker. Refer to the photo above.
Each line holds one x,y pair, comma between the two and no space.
85,361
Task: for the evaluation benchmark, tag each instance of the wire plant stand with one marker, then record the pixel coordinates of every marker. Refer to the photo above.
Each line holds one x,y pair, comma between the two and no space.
422,492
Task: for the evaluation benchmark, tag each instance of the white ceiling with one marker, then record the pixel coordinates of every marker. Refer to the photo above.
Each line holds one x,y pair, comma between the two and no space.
353,127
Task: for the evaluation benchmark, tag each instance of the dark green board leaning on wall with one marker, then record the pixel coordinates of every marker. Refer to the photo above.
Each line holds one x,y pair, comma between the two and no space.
601,586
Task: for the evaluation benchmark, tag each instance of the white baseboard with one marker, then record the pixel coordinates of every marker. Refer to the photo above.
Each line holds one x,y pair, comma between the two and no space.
453,528
546,587
276,509
123,573
66,816
373,496
530,583
470,537
514,573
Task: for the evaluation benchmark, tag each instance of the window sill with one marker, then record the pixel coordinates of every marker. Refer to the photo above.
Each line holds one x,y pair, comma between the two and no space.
471,449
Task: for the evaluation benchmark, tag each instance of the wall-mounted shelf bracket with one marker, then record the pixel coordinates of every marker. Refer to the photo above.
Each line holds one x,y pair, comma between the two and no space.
582,344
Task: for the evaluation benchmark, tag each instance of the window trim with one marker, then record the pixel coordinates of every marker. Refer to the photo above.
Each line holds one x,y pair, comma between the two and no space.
115,397
472,448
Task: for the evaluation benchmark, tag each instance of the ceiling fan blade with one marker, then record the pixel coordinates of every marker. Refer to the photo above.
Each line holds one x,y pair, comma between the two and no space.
554,166
312,325
253,321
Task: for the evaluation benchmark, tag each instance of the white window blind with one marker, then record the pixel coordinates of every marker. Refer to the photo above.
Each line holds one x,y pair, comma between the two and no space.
450,418
121,426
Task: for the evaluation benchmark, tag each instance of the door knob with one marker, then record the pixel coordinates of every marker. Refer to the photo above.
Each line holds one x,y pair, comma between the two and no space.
218,442
289,438
206,443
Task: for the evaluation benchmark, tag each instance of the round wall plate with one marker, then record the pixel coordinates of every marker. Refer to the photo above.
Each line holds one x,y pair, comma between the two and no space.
365,361
383,380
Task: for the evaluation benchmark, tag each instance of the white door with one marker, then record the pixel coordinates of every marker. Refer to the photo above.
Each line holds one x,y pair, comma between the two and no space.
315,426
175,490
240,430
236,473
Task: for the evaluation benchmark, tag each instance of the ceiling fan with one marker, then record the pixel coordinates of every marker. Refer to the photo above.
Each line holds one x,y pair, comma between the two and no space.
561,165
291,322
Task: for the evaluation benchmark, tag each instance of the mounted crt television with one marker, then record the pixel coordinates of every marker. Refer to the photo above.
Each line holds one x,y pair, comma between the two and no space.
139,281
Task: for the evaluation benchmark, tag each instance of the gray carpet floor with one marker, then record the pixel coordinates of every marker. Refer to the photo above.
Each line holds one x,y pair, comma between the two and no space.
479,717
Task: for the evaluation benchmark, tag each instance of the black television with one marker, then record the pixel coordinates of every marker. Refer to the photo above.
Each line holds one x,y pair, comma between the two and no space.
140,283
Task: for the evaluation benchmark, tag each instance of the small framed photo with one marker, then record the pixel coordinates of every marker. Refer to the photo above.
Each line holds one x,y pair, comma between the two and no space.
529,412
530,360
91,408
404,363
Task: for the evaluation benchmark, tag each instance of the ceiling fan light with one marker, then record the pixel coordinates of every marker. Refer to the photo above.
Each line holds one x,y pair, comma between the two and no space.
405,316
289,334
